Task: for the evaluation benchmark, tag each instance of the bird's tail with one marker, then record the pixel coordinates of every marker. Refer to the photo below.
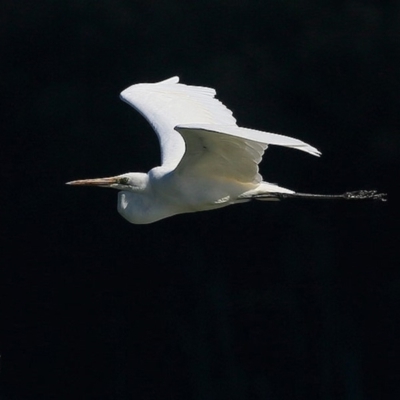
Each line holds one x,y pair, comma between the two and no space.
266,191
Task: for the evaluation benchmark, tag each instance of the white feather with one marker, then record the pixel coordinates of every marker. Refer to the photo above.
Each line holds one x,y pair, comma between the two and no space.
167,104
207,160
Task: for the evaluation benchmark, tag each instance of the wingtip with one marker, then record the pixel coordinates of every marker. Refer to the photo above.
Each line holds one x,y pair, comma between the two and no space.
316,153
174,79
126,91
309,149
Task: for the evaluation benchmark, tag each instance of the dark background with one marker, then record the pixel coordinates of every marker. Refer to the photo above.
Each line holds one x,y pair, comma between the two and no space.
288,300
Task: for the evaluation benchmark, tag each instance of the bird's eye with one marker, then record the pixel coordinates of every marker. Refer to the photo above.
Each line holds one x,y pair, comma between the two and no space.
124,181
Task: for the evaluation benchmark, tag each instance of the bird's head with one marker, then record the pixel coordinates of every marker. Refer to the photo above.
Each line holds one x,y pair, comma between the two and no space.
132,181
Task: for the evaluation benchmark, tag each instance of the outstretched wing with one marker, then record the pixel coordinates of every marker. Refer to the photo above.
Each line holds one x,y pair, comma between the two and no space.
229,151
167,104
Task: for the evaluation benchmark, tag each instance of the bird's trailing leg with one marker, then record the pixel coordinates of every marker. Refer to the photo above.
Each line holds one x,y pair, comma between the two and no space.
356,195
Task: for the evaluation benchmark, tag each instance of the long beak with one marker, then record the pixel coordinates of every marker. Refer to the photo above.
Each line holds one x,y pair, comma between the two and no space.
104,182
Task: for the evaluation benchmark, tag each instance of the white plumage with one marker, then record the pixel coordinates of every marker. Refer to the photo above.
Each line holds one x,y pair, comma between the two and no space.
170,106
207,160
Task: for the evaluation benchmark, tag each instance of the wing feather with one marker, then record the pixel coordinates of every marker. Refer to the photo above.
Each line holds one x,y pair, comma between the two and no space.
229,151
167,104
221,156
198,135
261,137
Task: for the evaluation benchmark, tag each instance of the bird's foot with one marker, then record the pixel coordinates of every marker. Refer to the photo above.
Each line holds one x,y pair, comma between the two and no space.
365,195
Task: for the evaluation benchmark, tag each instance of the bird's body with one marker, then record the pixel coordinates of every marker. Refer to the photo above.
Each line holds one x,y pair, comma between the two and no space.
208,161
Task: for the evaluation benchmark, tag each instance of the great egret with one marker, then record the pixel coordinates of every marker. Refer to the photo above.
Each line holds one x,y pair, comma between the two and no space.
208,161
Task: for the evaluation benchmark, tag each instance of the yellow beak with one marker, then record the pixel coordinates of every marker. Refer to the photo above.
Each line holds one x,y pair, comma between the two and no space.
114,180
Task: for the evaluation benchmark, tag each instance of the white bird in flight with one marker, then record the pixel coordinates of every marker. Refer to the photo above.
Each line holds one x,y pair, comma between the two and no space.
208,161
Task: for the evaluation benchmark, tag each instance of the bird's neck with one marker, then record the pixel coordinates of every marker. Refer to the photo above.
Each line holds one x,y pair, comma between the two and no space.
143,207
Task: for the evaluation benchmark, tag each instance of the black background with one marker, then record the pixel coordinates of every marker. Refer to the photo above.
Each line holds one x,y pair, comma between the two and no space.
285,300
